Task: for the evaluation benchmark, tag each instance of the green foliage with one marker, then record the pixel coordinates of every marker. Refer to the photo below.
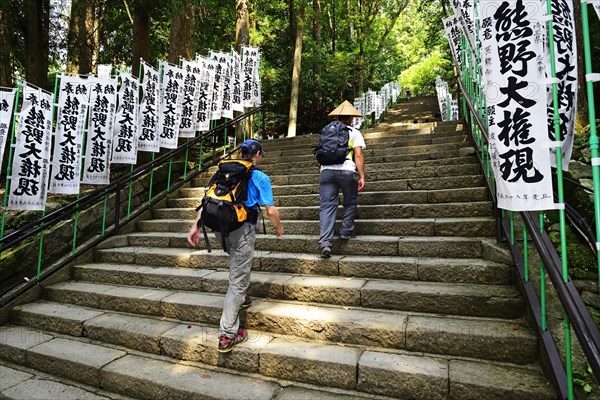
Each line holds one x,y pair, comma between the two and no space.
420,77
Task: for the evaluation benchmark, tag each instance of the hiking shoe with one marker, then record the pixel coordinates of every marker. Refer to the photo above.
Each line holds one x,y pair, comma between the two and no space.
247,302
325,252
226,344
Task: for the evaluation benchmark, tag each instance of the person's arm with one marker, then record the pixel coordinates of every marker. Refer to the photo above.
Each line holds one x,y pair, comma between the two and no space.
194,232
359,160
273,215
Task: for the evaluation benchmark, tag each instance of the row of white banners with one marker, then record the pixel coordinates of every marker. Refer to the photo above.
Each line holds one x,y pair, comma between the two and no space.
448,106
375,102
119,124
509,45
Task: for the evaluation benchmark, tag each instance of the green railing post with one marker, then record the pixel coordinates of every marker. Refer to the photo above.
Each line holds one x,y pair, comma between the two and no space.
590,79
561,200
10,158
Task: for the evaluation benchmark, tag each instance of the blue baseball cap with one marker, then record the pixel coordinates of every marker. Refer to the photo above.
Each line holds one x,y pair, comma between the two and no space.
251,146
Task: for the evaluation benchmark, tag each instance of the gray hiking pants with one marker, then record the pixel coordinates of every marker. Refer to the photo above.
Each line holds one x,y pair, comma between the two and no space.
331,181
240,246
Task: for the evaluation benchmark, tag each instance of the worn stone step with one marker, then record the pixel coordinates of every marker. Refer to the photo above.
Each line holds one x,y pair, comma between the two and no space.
484,338
436,183
284,357
141,376
391,211
430,297
413,246
482,226
475,271
18,383
368,198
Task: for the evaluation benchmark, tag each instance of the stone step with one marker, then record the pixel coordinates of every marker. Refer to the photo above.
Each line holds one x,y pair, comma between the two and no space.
368,198
409,246
19,382
430,297
388,211
374,172
289,150
140,376
373,186
323,364
476,226
476,271
483,338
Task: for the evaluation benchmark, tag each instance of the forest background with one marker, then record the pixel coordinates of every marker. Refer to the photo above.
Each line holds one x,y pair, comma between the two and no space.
315,54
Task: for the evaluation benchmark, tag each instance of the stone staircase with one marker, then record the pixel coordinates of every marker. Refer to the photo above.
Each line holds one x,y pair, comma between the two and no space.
418,306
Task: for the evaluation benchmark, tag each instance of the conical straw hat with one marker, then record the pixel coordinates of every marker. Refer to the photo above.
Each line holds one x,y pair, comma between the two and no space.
345,109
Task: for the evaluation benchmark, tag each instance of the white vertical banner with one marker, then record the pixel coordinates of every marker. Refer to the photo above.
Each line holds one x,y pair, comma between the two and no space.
189,103
453,33
73,97
104,70
256,95
227,110
220,65
7,101
125,138
31,163
207,77
249,68
171,95
465,13
236,79
359,104
516,99
596,5
148,110
565,55
98,147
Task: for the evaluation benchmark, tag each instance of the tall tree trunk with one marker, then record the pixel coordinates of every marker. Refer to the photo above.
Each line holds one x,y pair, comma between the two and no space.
293,22
351,21
6,59
293,117
82,41
141,35
242,38
330,19
182,33
37,16
317,38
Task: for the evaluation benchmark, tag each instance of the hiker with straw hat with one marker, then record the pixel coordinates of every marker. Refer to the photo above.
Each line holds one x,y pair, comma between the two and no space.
345,173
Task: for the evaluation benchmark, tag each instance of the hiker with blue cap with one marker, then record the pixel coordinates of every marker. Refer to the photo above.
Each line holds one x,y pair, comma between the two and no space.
240,242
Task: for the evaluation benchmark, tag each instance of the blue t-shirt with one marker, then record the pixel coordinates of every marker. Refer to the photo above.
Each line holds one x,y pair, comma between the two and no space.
259,190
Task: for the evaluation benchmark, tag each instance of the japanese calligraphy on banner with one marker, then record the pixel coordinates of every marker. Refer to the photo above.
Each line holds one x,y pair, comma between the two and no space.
98,147
250,73
7,100
30,166
104,70
453,33
169,116
516,99
359,104
444,97
219,61
207,76
125,138
465,13
226,109
236,82
256,96
71,111
148,111
189,102
565,53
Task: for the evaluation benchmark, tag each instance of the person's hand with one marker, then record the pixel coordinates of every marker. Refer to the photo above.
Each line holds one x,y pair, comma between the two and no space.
361,183
279,231
193,235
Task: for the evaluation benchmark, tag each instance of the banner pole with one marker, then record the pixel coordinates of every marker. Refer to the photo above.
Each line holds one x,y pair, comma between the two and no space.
133,165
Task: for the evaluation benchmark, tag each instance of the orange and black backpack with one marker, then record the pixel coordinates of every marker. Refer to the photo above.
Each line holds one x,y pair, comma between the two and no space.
224,203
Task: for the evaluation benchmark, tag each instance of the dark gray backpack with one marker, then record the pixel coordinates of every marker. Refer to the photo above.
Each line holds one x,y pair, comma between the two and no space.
333,148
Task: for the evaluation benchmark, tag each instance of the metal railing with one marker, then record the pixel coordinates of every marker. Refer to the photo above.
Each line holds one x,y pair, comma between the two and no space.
120,188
